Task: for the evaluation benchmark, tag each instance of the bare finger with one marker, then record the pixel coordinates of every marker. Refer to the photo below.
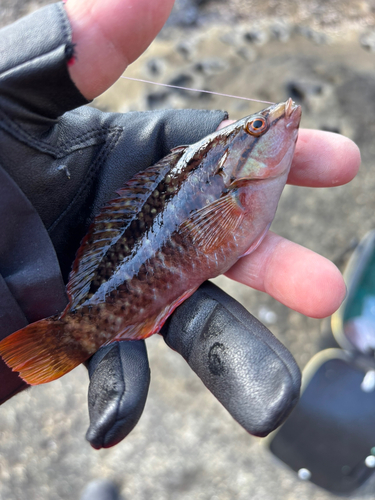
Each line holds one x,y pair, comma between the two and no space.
323,159
293,275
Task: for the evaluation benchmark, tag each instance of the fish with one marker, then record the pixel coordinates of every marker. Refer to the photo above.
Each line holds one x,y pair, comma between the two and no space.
186,219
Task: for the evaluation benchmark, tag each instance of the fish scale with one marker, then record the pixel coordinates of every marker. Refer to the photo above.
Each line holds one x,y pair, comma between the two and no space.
184,220
124,247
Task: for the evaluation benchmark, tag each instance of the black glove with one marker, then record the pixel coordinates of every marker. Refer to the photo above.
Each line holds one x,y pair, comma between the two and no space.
58,166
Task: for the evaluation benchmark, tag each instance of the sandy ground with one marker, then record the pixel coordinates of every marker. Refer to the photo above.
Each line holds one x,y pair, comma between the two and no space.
186,446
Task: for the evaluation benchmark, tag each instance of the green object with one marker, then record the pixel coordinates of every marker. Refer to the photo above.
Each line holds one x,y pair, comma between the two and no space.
353,325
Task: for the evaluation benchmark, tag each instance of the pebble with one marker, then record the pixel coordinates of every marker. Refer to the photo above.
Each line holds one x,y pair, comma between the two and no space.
211,66
155,66
186,48
256,36
230,38
267,316
281,31
181,80
367,41
301,90
247,53
315,36
185,13
156,100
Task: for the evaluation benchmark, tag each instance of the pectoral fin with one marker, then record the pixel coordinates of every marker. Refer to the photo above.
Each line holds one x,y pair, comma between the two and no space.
210,226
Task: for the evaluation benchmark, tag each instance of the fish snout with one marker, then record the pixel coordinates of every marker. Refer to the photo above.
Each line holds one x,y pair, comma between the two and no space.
293,114
288,111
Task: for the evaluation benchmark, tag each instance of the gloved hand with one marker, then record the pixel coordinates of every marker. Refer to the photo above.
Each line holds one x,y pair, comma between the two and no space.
59,169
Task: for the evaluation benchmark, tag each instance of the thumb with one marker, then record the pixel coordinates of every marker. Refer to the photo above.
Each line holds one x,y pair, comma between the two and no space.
110,35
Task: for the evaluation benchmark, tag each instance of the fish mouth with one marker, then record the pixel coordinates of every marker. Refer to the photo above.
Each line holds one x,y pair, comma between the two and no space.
288,110
290,107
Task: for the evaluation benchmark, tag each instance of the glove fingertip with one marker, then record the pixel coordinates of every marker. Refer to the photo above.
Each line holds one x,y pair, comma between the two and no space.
238,359
118,390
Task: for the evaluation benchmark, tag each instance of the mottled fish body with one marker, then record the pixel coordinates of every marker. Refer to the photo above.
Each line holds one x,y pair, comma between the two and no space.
182,221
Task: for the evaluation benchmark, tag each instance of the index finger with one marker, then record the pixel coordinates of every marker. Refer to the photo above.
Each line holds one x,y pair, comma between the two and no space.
323,159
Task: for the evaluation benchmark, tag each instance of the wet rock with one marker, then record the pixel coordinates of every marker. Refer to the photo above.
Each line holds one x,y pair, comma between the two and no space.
281,31
156,100
247,53
211,66
187,49
230,38
205,96
181,80
185,13
315,36
300,90
201,3
317,95
155,66
256,36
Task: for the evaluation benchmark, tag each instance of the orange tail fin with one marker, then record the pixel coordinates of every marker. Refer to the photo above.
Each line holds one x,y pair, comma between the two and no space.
40,353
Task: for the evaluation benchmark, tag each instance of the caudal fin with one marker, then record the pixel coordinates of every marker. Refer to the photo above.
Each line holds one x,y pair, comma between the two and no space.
40,352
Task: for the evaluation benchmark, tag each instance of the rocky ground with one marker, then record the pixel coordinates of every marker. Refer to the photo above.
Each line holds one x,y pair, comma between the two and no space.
186,446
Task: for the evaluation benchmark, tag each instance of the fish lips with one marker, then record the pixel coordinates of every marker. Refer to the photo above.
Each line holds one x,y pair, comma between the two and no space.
288,110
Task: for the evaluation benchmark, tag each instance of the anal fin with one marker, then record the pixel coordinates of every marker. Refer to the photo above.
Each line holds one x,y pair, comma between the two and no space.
153,325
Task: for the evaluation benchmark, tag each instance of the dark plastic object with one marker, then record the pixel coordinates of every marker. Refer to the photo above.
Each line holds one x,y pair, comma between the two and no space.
329,437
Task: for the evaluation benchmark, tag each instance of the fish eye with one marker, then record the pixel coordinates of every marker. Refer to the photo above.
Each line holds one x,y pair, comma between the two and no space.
257,126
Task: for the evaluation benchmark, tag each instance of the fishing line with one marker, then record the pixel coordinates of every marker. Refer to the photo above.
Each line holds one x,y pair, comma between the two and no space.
195,90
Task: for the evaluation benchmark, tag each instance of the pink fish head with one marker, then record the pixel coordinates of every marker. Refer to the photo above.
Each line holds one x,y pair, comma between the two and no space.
262,145
256,164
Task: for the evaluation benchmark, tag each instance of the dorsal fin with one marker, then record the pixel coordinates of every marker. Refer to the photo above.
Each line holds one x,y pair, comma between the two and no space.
113,220
179,149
